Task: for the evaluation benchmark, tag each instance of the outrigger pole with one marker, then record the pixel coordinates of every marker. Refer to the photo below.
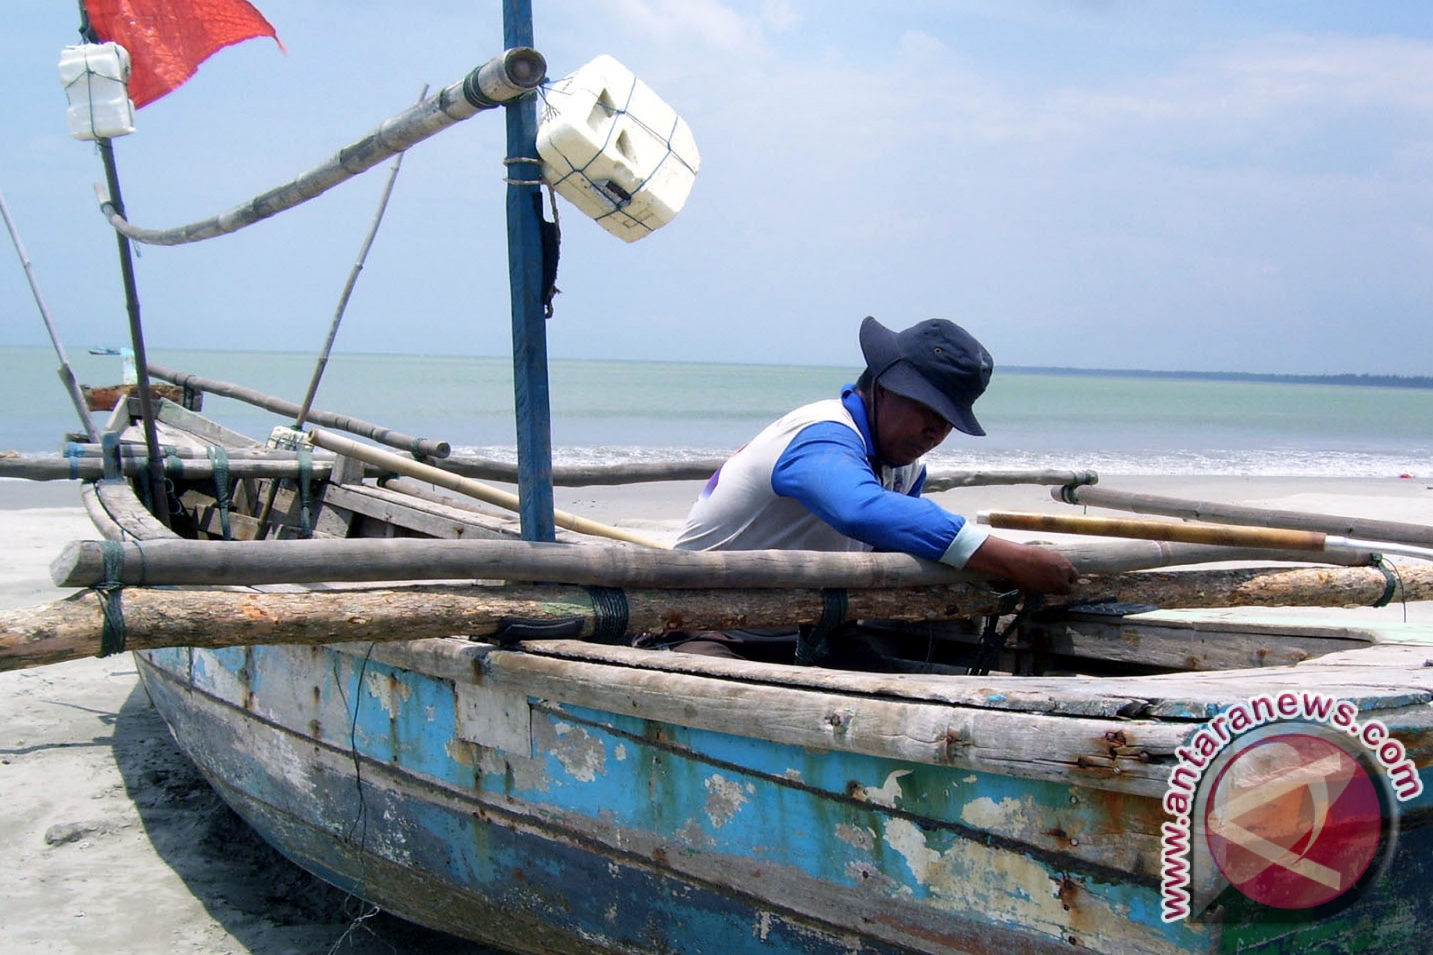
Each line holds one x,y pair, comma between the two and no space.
67,374
530,382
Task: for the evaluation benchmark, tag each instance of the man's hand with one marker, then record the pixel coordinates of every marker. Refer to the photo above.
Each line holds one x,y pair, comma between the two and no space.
1033,569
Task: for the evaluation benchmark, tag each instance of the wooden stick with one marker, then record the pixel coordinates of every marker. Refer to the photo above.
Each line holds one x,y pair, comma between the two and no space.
1222,534
483,492
374,432
1253,516
73,628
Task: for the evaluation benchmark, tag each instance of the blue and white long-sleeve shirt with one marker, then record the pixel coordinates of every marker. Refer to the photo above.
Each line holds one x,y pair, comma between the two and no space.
811,481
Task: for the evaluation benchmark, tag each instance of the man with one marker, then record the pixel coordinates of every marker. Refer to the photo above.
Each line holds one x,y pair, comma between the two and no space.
845,474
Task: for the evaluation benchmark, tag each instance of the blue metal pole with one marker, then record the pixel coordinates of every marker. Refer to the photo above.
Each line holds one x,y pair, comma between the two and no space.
529,330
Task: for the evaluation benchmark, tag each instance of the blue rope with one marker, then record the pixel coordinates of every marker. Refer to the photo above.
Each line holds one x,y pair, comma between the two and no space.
220,459
112,637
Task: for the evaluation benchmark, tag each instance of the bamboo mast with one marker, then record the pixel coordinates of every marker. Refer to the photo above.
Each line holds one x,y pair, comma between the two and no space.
529,331
158,495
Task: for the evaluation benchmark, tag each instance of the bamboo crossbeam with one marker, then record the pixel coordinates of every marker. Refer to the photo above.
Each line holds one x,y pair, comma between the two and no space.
1250,516
74,628
945,480
487,469
36,468
174,562
509,75
460,463
475,489
366,429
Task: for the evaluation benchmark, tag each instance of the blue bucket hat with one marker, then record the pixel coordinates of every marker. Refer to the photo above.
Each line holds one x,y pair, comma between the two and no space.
935,362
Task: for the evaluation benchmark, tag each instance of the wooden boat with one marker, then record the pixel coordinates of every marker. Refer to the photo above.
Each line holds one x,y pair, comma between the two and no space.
493,760
570,795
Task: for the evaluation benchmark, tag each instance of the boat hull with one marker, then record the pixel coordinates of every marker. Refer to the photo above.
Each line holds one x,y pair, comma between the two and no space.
504,813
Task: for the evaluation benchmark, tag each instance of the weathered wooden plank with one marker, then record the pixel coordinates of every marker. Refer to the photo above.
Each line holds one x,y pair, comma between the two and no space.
1179,648
182,419
429,518
124,510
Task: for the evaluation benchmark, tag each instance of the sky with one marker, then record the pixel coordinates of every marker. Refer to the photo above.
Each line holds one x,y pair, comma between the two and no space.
1207,186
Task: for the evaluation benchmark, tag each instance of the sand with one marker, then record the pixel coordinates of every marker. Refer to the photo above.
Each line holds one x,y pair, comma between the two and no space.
112,841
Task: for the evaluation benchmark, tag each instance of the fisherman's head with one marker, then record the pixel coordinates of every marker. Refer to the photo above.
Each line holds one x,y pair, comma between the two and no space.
921,383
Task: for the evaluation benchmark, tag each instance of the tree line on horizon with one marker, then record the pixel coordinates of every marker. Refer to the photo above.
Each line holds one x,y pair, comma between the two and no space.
1378,381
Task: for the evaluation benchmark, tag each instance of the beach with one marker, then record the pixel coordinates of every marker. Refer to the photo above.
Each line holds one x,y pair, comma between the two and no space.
114,843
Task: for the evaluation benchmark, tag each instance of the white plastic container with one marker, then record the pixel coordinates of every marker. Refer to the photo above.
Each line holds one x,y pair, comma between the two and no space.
96,81
616,150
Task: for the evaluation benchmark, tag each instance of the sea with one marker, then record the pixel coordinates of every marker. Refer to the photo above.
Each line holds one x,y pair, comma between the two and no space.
625,411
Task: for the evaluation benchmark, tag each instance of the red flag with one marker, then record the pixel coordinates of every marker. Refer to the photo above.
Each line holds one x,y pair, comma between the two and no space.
168,39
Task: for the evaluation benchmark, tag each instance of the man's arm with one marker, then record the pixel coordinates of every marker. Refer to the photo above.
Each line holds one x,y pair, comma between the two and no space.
1032,569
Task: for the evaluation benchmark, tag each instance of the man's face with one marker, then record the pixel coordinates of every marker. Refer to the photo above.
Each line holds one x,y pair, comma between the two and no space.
906,429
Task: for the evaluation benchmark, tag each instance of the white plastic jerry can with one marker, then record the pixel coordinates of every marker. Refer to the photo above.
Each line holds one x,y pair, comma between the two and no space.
616,150
96,81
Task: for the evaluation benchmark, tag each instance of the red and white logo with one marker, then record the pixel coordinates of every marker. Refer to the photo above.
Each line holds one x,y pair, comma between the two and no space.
1293,821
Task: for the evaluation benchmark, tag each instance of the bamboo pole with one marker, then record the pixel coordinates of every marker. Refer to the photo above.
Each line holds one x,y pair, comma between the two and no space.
349,284
37,468
483,492
74,628
67,374
1252,516
1221,534
945,480
374,432
1195,533
174,562
510,75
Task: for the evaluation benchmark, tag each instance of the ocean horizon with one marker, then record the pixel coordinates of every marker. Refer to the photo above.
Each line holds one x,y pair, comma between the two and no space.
1112,421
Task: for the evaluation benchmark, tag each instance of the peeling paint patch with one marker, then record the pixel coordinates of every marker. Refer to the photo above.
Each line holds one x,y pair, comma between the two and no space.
582,755
1007,815
906,838
794,775
1007,888
886,795
725,798
391,694
858,836
620,752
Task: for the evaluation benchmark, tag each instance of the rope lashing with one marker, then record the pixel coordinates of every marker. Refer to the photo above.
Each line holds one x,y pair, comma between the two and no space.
219,458
609,615
112,635
992,639
812,640
305,457
1391,580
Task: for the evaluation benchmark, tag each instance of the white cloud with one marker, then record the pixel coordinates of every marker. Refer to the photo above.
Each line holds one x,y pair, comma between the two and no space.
704,22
